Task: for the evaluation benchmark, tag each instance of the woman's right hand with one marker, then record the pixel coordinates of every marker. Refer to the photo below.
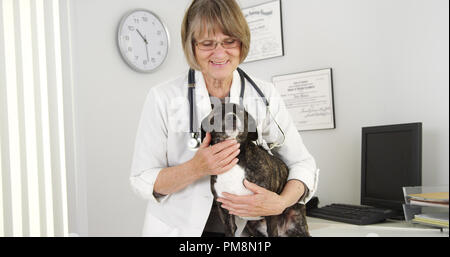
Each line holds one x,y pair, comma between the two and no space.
216,159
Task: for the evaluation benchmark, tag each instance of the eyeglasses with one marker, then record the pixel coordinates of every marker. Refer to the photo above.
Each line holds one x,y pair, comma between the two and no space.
209,45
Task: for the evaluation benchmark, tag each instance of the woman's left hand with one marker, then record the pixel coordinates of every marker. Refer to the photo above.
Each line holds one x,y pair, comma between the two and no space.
262,203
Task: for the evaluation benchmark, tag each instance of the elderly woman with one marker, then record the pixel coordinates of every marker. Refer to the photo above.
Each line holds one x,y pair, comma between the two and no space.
173,176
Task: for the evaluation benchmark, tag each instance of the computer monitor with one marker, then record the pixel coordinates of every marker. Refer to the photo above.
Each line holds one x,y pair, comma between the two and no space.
391,159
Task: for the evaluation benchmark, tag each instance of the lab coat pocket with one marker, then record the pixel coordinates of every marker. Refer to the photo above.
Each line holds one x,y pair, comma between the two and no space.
179,115
155,227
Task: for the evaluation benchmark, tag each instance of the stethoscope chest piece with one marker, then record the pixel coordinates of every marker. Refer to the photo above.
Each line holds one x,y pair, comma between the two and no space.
194,141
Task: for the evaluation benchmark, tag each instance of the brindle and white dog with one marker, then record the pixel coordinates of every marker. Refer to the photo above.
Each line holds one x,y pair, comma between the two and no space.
256,165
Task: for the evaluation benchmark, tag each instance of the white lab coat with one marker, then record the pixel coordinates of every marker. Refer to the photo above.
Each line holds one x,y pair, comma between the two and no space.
162,138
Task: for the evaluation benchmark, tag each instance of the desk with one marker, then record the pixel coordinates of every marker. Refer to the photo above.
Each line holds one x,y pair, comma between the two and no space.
325,228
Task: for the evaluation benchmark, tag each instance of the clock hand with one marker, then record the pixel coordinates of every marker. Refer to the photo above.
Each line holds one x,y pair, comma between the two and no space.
145,40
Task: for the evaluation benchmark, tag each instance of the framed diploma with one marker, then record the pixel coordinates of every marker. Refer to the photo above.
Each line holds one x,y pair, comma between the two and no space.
309,98
266,30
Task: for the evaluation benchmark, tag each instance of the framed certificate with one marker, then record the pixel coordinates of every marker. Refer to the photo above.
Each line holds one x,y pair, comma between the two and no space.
309,98
266,30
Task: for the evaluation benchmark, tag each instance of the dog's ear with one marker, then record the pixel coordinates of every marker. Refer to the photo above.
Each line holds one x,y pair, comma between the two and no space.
251,128
202,134
202,129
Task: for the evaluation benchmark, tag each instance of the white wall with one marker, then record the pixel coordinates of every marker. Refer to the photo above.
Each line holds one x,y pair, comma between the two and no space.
390,65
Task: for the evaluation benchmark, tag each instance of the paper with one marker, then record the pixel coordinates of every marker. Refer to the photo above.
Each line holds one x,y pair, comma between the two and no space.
439,219
264,21
429,203
308,97
435,196
440,216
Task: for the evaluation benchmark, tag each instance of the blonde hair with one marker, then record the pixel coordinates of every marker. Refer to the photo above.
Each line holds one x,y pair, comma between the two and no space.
211,16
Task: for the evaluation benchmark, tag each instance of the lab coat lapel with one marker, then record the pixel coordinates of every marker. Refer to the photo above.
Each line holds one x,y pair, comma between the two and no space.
202,100
250,102
235,90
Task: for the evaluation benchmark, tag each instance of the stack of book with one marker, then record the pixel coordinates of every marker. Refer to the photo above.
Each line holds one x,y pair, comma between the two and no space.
436,199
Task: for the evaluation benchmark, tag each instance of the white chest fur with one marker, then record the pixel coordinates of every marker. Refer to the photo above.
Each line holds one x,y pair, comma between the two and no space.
232,182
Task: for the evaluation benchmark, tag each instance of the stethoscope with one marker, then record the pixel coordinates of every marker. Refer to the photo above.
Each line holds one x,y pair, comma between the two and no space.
195,140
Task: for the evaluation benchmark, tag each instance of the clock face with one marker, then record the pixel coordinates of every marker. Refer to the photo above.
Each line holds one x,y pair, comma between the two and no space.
143,40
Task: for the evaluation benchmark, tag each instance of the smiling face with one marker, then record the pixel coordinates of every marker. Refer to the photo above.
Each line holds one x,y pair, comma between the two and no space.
219,63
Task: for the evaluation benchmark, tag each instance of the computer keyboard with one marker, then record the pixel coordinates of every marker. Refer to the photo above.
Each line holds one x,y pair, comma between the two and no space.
353,214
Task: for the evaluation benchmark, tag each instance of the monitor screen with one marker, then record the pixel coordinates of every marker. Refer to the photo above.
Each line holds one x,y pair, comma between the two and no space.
391,159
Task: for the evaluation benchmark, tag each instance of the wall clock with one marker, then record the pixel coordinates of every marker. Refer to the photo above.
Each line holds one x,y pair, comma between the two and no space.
143,40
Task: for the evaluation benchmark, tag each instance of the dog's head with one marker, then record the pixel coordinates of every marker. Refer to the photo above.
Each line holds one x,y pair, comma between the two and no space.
229,121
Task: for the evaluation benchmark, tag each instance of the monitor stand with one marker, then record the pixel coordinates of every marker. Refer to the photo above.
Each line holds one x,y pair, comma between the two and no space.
397,215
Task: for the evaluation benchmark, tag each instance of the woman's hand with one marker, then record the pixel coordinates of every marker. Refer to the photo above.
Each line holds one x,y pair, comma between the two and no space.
216,159
262,203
